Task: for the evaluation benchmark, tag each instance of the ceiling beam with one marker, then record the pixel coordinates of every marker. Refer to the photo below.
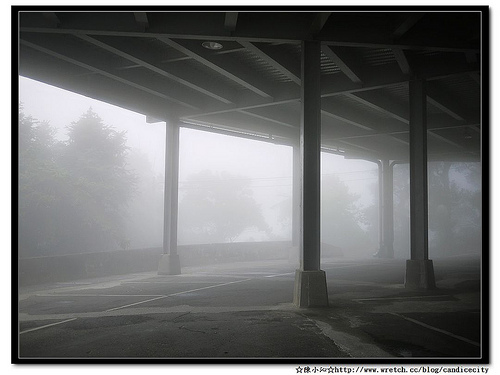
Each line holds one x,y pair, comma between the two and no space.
401,132
346,120
287,114
105,73
342,61
230,20
368,135
52,18
215,67
370,150
319,22
444,108
406,25
266,118
271,61
475,128
442,100
351,88
404,46
152,68
402,60
220,129
443,139
380,108
340,41
142,19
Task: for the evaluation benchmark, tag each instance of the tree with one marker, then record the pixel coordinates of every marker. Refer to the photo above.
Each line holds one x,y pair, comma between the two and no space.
217,207
72,196
95,157
342,219
454,209
144,223
40,181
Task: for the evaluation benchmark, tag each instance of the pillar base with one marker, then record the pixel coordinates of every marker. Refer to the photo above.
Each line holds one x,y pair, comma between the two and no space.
169,265
310,289
420,274
384,252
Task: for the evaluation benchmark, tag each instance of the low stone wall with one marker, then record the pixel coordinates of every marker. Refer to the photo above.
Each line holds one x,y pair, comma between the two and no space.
41,270
195,255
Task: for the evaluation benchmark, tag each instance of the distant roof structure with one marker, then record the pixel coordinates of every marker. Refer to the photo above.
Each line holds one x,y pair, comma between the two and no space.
239,71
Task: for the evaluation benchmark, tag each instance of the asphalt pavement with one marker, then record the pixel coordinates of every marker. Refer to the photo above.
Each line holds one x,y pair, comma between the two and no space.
244,311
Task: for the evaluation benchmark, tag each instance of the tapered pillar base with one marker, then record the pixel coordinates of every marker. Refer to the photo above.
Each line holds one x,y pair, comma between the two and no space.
420,274
169,265
384,252
310,289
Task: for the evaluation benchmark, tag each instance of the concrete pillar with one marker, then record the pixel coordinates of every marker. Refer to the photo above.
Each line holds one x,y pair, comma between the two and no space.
419,269
388,205
169,262
379,253
386,209
310,281
294,255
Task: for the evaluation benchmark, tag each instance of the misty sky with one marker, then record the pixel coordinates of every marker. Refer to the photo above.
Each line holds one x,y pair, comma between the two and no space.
269,166
199,150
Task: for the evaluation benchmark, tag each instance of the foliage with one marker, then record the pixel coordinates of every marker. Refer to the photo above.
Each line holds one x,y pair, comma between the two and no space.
102,185
341,217
217,207
454,208
144,222
40,179
342,220
72,195
454,211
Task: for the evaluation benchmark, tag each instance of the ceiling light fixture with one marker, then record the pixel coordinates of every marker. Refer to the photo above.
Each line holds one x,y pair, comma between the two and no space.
212,45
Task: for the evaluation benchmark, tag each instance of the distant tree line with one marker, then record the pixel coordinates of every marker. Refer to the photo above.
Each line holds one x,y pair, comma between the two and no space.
93,193
217,208
72,195
454,207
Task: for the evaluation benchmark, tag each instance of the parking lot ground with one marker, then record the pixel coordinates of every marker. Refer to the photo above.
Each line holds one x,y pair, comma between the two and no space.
244,311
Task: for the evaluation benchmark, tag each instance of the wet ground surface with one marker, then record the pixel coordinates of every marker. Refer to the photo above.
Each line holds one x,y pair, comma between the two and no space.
245,311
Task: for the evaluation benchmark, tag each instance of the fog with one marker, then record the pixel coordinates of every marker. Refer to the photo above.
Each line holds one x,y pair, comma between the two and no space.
232,191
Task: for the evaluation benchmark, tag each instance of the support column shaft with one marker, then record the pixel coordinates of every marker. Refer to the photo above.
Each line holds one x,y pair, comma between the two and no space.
418,171
386,187
294,252
296,196
310,148
310,282
419,269
169,263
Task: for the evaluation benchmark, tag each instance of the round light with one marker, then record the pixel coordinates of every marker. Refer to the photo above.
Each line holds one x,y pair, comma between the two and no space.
212,45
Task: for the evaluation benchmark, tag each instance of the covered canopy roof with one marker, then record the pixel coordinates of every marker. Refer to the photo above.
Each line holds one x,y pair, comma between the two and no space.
156,63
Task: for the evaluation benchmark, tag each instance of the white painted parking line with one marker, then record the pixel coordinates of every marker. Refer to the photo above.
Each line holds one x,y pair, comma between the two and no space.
136,303
438,330
167,282
99,295
177,294
46,326
281,274
398,298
